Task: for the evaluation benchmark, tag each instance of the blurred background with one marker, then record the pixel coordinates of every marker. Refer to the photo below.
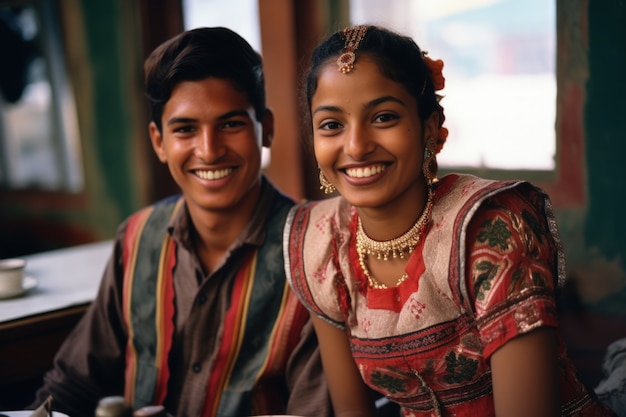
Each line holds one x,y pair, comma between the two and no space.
535,90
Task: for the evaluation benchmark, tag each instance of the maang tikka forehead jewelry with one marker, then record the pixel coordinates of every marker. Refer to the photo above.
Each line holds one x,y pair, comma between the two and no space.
353,37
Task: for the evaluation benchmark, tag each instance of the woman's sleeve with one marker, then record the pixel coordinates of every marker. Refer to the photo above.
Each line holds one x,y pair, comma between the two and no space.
310,262
512,268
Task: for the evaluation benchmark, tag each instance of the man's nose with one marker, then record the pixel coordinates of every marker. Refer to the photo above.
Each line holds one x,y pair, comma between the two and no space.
209,146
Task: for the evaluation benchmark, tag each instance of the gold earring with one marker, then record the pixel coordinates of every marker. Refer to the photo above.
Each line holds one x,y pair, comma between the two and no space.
430,166
326,185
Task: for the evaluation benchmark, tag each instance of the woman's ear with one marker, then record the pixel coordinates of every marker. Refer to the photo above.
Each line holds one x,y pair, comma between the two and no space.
156,138
431,126
268,128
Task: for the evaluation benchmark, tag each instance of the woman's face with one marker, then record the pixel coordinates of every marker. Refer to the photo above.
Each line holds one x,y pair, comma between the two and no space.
368,137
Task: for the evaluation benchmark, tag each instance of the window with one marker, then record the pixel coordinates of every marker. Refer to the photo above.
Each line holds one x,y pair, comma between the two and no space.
500,95
39,146
240,16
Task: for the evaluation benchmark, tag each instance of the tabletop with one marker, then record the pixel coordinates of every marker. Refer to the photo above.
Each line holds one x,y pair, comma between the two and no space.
62,278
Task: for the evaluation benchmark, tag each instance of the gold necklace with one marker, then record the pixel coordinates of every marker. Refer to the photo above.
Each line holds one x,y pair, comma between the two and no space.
397,246
372,282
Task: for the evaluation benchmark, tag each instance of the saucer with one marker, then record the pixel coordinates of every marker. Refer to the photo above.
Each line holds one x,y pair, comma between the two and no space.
28,284
28,413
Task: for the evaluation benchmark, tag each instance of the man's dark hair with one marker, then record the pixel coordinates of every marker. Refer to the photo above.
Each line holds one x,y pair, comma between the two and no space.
198,54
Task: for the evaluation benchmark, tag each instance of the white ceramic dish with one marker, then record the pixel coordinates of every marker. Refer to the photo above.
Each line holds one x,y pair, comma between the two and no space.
28,284
28,413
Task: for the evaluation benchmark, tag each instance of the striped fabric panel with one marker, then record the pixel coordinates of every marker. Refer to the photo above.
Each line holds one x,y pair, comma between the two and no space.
164,319
149,257
129,257
285,336
234,328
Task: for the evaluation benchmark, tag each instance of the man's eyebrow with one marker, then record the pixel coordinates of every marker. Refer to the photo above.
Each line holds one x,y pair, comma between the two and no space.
178,120
225,116
234,113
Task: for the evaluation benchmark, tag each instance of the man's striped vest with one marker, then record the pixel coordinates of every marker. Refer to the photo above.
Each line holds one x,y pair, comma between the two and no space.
263,313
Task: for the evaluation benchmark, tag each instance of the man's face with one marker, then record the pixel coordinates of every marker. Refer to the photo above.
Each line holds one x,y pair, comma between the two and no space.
211,142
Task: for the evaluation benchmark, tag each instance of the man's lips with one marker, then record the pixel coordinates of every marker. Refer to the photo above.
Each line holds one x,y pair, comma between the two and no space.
216,174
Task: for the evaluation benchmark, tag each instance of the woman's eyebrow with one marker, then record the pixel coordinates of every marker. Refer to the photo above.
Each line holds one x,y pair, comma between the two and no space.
371,104
384,99
333,109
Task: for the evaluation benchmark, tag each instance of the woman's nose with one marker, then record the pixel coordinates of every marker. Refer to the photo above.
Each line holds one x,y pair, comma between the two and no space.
358,143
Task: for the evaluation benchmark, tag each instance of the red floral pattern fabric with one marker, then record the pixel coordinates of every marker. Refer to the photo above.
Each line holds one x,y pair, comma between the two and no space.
485,273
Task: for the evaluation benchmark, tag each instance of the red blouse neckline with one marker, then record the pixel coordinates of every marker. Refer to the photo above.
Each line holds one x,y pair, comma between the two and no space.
392,298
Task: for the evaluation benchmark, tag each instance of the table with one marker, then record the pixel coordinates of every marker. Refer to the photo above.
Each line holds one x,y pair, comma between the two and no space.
66,278
33,326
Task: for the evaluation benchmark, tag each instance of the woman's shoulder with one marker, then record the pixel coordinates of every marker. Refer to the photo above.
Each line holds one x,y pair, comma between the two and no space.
331,212
330,204
464,193
313,234
467,184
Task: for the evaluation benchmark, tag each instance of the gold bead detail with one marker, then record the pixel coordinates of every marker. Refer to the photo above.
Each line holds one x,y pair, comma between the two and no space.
393,248
353,37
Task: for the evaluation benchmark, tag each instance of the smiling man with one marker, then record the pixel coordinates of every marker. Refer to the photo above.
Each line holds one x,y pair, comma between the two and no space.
194,311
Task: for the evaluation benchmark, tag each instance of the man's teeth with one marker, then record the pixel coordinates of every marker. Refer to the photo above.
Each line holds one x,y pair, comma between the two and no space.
365,172
214,175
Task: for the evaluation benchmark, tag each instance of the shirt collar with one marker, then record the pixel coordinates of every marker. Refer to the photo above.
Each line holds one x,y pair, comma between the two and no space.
254,233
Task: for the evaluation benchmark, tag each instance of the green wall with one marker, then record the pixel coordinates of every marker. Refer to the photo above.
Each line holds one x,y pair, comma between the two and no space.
110,106
605,131
104,64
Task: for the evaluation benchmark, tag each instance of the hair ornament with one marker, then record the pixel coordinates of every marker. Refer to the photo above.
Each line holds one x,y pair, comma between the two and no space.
439,82
352,37
441,139
436,71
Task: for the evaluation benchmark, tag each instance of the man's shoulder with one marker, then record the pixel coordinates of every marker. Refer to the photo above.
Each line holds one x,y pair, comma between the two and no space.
167,204
281,204
153,216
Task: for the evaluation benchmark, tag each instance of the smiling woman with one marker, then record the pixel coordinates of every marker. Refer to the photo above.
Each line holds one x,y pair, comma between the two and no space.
437,292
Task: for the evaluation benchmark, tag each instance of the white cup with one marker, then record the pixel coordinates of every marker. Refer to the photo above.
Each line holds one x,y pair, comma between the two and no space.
11,274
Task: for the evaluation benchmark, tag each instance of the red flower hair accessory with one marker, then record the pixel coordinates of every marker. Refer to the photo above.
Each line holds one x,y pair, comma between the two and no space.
436,71
439,82
441,138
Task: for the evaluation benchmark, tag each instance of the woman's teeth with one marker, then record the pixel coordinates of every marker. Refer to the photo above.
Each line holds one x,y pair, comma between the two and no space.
365,172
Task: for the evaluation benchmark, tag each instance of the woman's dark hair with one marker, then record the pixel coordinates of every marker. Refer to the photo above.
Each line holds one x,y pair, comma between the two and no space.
198,54
398,57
